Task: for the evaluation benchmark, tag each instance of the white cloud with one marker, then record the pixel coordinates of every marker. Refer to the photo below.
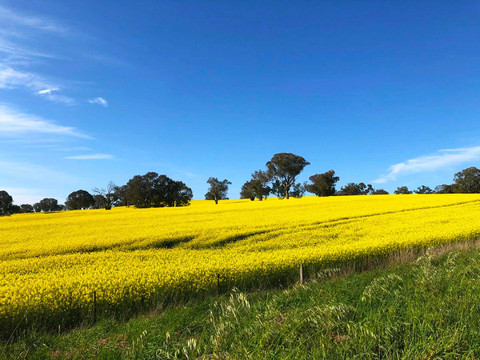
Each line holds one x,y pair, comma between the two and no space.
53,95
46,91
18,28
99,101
90,157
443,159
13,123
11,79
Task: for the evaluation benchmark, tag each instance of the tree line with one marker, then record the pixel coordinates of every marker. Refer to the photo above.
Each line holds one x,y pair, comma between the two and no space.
278,178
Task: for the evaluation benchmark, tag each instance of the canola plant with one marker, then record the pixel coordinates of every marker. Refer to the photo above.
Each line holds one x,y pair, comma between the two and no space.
131,259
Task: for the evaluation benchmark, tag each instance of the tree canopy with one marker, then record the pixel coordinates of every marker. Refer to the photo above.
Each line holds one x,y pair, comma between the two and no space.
153,190
356,189
106,198
323,184
257,187
6,202
468,180
283,169
80,199
423,190
402,190
218,189
26,208
47,204
379,192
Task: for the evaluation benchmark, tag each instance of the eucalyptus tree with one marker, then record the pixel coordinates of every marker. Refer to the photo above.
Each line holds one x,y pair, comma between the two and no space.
218,189
283,169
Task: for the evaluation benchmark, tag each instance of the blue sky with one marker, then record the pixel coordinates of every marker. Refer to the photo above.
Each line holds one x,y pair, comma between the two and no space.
384,92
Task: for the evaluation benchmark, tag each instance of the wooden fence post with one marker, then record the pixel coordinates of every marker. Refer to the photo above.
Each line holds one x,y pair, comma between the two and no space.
301,274
94,306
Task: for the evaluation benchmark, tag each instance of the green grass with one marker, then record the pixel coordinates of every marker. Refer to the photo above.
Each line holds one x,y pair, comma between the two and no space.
424,309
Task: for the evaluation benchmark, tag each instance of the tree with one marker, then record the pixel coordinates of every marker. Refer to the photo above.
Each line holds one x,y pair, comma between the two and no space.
26,208
153,190
179,194
140,190
246,192
283,168
37,207
298,190
80,199
15,209
323,184
445,189
100,202
47,204
108,196
119,194
402,190
379,192
356,189
6,202
468,180
257,187
217,190
423,190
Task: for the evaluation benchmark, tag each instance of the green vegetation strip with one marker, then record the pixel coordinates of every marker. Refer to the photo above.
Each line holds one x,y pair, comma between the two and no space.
425,309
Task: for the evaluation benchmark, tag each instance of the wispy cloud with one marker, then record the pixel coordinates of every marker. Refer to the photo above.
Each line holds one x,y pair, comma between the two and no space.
442,159
11,79
90,157
14,123
14,53
46,91
9,17
18,39
53,95
99,101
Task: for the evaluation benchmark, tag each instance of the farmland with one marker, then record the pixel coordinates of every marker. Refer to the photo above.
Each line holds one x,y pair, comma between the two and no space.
133,259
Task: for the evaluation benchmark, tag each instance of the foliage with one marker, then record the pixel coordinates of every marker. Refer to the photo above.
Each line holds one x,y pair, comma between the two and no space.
445,189
106,198
283,169
356,189
47,204
6,202
218,189
402,190
26,208
379,192
257,187
78,200
423,190
468,180
153,190
323,184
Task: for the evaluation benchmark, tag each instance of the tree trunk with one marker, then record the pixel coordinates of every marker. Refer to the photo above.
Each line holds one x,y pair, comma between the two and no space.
216,200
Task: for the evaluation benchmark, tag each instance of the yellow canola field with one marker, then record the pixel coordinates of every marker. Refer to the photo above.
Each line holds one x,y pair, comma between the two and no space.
133,259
